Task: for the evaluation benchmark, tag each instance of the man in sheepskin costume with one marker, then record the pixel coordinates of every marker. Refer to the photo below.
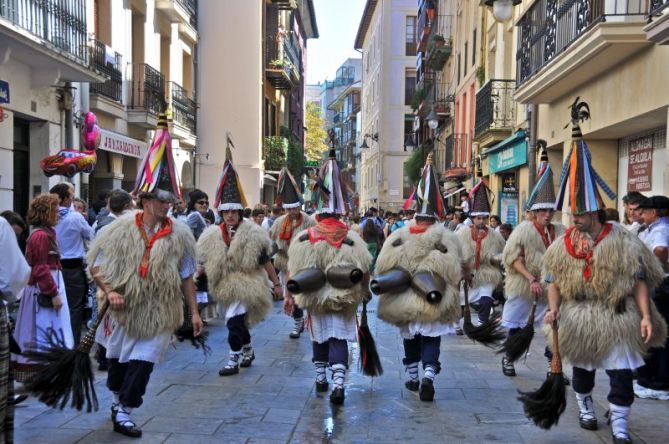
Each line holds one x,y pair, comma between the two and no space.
522,259
283,232
326,247
143,263
481,249
235,256
599,277
424,246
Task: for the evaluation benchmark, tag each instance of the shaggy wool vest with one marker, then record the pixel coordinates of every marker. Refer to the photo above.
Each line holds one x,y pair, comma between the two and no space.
598,313
491,246
152,304
303,254
437,251
281,257
526,242
234,273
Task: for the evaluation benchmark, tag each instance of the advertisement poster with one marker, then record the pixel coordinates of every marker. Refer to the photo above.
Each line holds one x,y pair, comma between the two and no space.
508,207
640,164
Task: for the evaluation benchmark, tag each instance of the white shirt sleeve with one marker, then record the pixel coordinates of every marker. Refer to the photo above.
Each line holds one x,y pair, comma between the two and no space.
14,270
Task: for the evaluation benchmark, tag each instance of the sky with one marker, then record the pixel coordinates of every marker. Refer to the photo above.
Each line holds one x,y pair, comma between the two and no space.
337,22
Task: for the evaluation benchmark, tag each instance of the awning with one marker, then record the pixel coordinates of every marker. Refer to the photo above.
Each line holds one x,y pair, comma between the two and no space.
511,140
454,172
509,153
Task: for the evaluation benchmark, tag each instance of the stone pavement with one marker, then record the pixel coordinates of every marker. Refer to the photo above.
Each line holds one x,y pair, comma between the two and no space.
274,401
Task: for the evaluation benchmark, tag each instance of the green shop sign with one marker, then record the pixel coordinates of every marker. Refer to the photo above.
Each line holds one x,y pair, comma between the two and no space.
508,154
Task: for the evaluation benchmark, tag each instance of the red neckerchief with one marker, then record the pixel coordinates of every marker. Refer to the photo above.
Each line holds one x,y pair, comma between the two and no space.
226,235
478,238
420,227
287,228
165,229
579,246
330,230
549,237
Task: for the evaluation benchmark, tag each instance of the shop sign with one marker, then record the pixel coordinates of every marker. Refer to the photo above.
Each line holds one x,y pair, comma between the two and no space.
509,157
4,91
640,164
508,208
509,182
118,143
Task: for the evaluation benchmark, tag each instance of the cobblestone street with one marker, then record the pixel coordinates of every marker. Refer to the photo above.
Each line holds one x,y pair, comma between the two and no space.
274,401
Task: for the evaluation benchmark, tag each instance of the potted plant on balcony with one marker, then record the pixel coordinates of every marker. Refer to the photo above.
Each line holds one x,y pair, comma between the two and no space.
439,40
276,148
418,97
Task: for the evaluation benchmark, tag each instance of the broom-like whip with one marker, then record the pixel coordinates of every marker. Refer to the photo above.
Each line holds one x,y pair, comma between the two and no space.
186,333
66,373
488,333
370,363
545,405
518,344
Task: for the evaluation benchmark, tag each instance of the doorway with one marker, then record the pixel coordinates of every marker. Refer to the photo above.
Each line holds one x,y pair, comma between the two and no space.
21,166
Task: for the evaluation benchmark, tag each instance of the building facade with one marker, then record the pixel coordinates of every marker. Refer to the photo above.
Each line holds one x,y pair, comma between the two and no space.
388,61
253,69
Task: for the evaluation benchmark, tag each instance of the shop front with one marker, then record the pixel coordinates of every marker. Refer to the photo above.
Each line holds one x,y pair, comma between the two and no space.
118,160
506,167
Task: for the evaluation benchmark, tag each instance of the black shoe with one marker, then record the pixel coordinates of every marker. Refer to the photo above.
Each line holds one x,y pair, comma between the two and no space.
322,386
587,423
295,334
337,396
426,391
247,360
412,385
18,399
228,371
621,439
103,366
114,411
507,367
128,428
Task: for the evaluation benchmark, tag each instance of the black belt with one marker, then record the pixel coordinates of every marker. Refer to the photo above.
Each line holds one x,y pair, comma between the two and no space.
72,263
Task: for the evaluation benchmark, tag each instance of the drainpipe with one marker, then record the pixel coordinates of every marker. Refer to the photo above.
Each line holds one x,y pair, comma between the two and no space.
532,145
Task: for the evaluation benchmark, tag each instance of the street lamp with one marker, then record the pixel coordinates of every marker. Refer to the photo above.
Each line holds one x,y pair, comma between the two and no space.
502,10
432,119
374,137
409,144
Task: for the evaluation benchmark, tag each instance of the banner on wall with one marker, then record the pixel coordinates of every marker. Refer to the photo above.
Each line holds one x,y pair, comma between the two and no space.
640,164
508,207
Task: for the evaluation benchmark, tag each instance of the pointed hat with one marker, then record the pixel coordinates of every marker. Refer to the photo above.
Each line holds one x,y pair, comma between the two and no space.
331,190
229,194
479,203
157,176
427,198
578,179
543,194
288,192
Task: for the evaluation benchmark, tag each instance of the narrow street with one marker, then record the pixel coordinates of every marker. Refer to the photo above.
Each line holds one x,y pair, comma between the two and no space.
274,400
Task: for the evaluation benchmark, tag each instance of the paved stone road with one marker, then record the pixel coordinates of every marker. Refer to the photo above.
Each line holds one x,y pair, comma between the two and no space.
274,401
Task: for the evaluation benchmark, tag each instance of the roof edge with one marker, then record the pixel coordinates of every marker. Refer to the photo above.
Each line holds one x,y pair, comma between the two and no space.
370,7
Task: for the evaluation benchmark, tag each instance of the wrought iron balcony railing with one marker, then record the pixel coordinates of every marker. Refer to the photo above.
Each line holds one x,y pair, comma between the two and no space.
148,89
61,23
495,108
108,62
656,7
183,108
549,27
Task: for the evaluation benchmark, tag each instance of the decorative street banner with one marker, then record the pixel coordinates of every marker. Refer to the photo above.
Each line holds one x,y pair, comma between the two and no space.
640,164
118,143
508,208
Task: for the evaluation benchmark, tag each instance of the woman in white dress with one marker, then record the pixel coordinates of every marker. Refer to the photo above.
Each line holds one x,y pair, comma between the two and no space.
43,316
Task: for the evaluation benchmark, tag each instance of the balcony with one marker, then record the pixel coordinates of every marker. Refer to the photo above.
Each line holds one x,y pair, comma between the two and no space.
285,4
107,96
562,45
284,61
444,99
147,97
50,37
495,112
183,113
440,46
426,16
657,30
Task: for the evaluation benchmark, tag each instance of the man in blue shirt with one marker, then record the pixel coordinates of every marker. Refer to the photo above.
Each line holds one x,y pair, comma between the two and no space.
71,232
653,380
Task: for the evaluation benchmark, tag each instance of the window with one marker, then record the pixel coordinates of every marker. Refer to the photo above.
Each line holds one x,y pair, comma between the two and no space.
474,49
458,68
409,87
464,65
411,40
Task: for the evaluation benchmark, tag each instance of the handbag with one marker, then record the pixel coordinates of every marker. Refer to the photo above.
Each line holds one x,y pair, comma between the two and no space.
44,301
